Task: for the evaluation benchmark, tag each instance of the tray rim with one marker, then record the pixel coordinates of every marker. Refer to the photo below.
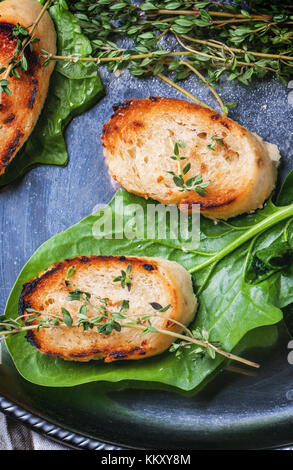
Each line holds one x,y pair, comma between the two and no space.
51,431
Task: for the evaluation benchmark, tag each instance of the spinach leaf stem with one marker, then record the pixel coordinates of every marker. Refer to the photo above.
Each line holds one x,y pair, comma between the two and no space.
282,214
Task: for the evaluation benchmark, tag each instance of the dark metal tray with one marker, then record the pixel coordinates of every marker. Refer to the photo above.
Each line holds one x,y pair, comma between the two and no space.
233,411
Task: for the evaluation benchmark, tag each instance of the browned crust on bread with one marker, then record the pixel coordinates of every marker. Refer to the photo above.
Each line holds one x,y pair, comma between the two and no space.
205,204
79,261
135,105
52,276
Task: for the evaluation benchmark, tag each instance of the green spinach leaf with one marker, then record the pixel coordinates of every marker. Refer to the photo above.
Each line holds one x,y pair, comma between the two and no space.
231,304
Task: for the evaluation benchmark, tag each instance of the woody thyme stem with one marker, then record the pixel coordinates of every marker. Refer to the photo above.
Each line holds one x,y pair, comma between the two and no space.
241,51
190,338
196,72
213,13
182,90
204,344
47,56
188,53
42,12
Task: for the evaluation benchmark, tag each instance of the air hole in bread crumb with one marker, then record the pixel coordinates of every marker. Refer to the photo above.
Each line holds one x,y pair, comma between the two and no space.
132,152
202,135
260,162
231,155
146,159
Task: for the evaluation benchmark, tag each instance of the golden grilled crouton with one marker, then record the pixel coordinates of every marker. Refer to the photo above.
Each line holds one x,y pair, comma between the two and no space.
153,281
20,111
139,140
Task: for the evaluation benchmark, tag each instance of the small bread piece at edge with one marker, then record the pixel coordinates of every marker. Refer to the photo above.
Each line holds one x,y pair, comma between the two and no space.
19,112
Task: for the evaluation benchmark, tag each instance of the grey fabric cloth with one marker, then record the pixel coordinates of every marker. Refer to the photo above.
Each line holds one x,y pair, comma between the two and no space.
14,436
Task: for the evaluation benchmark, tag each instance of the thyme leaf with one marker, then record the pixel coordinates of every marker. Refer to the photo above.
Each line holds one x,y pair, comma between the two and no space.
215,141
194,183
70,272
125,279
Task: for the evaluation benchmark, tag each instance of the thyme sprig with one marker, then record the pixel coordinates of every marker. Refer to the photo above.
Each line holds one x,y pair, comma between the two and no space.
106,321
213,37
194,183
103,320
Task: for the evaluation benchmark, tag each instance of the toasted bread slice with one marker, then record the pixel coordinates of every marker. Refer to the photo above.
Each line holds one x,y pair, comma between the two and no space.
139,139
20,111
152,280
